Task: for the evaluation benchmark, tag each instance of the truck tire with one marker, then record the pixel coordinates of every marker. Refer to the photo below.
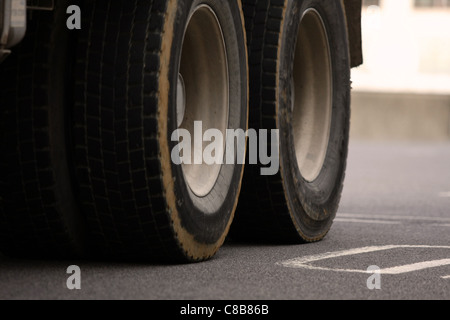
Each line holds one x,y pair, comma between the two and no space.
146,69
300,84
38,215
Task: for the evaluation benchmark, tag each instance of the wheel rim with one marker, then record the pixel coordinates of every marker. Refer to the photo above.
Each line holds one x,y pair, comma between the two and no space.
203,92
312,88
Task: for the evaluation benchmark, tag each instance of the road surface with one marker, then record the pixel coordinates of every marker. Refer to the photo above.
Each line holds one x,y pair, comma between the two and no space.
394,217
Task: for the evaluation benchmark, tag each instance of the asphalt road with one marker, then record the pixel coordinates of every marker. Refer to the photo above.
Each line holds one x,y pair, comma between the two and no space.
395,215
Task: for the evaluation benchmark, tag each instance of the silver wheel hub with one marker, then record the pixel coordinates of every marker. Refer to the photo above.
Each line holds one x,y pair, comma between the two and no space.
313,91
203,92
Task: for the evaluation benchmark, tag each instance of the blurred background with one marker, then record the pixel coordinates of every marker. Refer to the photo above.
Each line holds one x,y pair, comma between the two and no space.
402,91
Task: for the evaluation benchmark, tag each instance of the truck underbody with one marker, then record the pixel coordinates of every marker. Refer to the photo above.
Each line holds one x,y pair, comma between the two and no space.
13,24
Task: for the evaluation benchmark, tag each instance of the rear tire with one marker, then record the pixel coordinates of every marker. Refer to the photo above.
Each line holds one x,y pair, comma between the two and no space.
38,215
300,71
139,79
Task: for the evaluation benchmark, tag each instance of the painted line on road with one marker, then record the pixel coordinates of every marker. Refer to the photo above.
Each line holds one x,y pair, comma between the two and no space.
416,266
446,277
305,262
390,217
365,221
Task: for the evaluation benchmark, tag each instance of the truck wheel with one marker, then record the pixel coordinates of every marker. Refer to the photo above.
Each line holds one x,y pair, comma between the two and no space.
146,70
38,215
299,65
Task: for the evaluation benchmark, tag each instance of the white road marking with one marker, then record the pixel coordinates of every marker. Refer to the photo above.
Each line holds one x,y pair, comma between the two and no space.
390,217
305,262
444,194
365,221
416,266
446,277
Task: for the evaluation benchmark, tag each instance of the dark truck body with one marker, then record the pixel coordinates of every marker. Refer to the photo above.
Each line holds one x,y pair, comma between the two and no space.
13,14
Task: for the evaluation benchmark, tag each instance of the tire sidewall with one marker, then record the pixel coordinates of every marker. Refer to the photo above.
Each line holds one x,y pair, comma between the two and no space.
313,205
208,218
